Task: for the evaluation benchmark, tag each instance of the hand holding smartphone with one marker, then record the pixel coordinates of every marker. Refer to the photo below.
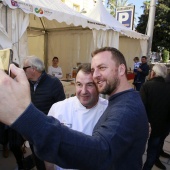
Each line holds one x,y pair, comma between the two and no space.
6,56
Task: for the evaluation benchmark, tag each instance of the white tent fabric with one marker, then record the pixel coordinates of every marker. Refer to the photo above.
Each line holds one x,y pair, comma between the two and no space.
100,14
16,36
71,47
36,44
56,30
55,9
51,16
20,22
105,38
98,19
55,19
131,47
5,41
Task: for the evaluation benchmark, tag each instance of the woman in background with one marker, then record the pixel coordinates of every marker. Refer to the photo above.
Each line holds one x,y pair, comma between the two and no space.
55,70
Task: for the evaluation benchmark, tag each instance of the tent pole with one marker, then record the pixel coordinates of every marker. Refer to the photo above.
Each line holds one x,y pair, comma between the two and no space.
151,25
6,10
46,50
45,45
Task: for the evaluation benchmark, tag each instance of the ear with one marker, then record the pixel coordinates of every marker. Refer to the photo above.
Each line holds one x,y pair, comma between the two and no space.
152,74
121,69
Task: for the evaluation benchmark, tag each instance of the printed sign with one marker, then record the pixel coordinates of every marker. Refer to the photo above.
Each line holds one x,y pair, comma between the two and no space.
42,11
38,10
14,3
125,15
22,5
32,9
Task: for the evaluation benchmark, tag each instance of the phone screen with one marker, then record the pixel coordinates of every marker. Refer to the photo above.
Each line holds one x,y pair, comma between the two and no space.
6,56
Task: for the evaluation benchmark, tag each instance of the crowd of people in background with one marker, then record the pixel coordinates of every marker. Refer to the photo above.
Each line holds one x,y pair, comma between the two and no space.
155,95
112,130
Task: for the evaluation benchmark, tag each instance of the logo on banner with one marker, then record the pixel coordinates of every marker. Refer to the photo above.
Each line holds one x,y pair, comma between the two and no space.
24,6
125,15
47,12
43,12
14,3
39,11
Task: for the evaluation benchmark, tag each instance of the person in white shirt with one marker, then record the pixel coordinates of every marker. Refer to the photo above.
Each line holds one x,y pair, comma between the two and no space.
82,111
55,70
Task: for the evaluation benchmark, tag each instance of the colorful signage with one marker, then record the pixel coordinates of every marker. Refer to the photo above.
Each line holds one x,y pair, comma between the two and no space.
125,15
40,11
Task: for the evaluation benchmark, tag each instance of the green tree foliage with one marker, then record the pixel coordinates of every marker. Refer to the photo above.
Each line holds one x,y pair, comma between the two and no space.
116,3
161,33
112,4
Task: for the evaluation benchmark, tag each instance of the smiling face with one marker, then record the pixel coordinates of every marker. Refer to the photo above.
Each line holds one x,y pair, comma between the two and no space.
143,60
86,90
105,72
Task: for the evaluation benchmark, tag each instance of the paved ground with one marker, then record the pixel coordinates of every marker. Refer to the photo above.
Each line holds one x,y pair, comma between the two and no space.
10,164
165,161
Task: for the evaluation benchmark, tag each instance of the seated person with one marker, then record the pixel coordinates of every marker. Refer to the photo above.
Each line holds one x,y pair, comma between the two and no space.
55,70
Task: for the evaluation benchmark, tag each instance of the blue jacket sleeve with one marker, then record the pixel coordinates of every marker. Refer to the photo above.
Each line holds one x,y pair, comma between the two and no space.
67,148
53,141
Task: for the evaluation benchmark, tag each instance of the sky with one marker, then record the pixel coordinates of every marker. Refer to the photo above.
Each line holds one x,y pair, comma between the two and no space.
138,9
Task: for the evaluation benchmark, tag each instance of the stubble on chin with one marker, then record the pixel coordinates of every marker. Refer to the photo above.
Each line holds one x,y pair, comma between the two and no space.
109,88
103,89
106,90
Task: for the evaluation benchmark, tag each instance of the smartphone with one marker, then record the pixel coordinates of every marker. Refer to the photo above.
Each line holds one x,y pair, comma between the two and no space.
6,56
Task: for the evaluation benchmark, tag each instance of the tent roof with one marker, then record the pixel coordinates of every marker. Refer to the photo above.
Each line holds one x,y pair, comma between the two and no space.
100,14
55,10
48,11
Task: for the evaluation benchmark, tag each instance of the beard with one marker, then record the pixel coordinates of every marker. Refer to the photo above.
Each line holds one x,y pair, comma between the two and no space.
110,86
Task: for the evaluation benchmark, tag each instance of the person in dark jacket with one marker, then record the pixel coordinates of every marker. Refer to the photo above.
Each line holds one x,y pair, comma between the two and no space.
141,73
163,153
156,96
45,91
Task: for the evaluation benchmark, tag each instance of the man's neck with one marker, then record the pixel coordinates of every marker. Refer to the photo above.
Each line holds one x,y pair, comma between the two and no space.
123,86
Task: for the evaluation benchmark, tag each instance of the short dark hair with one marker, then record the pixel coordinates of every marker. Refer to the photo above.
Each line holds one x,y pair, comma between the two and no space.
55,58
116,55
85,67
144,57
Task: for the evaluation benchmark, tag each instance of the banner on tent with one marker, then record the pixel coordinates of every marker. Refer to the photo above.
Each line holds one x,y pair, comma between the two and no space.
125,15
31,8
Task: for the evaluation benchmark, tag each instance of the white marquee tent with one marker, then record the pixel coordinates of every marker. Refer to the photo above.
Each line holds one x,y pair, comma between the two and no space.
53,29
100,13
131,43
